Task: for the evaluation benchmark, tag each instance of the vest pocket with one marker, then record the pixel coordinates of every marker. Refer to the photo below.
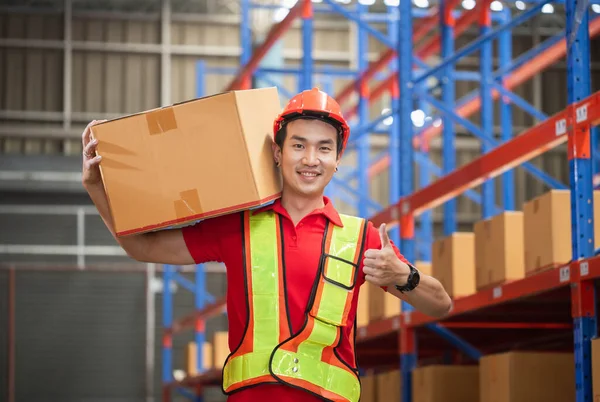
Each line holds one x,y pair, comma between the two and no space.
338,271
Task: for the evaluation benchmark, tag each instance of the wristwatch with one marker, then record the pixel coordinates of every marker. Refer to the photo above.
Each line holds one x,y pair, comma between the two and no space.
412,282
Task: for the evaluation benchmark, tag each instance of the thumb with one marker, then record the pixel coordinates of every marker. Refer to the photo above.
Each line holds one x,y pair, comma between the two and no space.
385,240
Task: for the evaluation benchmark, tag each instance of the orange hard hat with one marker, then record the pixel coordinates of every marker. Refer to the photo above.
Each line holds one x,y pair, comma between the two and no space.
314,103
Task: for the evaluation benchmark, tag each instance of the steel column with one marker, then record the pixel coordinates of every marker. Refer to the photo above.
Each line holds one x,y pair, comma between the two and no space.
448,98
167,344
582,200
363,114
165,53
487,103
245,40
68,65
505,56
407,244
394,132
307,45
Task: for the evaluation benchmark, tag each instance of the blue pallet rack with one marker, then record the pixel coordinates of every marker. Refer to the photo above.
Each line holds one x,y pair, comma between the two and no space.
409,89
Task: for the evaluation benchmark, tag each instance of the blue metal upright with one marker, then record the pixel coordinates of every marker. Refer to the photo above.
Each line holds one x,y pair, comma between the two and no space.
306,76
407,244
487,103
448,97
582,200
505,56
363,147
394,129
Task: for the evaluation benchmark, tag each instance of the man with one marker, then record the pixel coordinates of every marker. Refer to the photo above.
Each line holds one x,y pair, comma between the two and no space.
294,268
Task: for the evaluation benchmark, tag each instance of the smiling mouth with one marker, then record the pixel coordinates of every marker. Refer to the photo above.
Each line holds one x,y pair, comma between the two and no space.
308,174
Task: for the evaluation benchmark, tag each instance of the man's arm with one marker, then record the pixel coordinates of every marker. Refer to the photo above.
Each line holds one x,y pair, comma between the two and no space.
429,297
163,247
383,267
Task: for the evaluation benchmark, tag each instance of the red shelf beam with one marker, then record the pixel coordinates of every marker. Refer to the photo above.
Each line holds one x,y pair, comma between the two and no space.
522,148
528,286
189,321
519,76
274,34
542,282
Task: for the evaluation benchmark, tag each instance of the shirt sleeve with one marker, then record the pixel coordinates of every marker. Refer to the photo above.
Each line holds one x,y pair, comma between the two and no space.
204,239
373,241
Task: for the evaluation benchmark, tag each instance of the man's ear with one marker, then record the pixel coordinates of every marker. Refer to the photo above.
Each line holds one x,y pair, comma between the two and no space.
276,152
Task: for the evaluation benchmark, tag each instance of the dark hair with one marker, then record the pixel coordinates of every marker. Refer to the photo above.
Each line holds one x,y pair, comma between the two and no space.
282,133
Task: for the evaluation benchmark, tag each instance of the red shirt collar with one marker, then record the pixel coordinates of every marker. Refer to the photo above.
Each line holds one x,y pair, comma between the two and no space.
328,210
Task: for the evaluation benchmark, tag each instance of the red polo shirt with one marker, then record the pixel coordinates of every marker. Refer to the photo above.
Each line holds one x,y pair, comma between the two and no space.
220,239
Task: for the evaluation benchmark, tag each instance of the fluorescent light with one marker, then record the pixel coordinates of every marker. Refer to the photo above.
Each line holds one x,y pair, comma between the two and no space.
421,3
391,3
317,1
520,5
289,3
418,117
496,6
366,2
468,4
596,8
548,8
388,120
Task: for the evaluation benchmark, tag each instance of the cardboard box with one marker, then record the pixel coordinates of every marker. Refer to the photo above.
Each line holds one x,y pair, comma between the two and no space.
446,383
596,369
389,386
368,392
191,358
383,305
220,346
363,306
197,159
527,376
548,229
499,249
453,263
424,267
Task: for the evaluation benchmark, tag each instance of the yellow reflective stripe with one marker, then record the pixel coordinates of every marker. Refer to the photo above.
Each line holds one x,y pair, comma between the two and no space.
265,281
306,363
343,245
321,374
265,312
245,367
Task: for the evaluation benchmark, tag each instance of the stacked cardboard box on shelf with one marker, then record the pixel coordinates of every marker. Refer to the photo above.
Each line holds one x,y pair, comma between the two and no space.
499,249
527,376
548,229
214,353
453,263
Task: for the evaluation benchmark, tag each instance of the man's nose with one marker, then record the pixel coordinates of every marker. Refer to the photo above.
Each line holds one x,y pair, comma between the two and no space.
311,158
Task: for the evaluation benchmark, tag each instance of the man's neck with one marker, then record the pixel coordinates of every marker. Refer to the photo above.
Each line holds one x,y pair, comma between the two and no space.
298,207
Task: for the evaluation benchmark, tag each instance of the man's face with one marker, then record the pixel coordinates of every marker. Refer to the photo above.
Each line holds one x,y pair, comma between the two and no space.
309,156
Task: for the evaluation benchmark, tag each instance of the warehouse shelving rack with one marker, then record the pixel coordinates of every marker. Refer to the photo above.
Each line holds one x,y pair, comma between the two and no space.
511,314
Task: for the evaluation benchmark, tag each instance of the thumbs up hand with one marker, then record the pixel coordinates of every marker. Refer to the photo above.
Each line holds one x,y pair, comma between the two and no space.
382,267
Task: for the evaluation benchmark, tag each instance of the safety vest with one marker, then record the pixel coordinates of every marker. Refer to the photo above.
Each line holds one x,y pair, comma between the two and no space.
269,352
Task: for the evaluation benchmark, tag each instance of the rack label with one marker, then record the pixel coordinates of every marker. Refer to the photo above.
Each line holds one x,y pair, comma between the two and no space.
584,268
407,317
395,323
561,126
497,292
565,274
581,113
